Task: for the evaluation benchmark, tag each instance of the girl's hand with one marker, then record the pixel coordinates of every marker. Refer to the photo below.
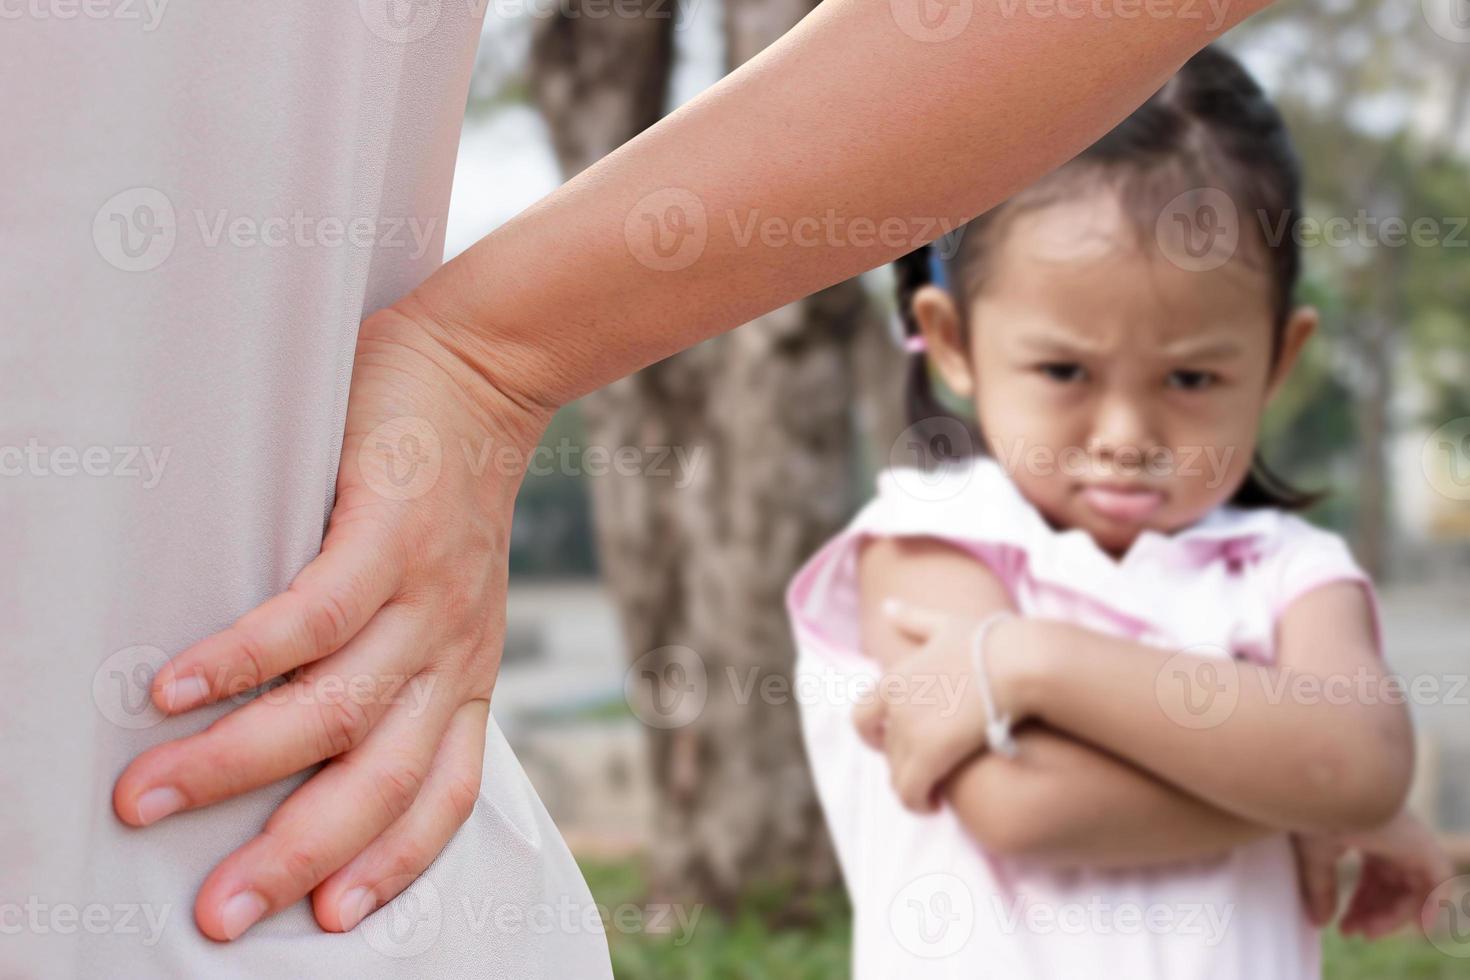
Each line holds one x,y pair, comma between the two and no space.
927,714
1402,865
1317,857
390,641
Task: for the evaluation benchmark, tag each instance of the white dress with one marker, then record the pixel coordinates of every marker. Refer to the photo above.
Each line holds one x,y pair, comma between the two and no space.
928,901
201,200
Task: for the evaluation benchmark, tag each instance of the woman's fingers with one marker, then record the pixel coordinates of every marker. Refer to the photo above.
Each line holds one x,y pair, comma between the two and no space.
326,605
392,862
324,824
325,712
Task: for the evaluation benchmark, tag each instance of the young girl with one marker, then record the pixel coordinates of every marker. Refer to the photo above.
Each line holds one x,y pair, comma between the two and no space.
1172,673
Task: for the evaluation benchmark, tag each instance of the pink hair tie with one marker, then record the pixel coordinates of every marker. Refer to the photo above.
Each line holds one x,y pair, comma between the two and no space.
915,344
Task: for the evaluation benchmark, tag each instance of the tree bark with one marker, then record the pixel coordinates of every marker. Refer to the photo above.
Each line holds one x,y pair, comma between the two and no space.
703,566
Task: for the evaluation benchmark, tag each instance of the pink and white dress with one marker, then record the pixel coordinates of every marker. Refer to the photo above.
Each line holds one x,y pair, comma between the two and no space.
928,901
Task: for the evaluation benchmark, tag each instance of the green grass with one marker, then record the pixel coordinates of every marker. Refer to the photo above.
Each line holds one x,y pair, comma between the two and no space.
746,945
1395,958
743,946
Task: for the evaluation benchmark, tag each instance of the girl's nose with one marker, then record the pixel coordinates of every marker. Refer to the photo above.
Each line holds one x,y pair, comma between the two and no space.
1122,434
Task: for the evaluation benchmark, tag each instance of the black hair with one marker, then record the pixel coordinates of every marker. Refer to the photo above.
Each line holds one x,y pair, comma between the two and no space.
1210,125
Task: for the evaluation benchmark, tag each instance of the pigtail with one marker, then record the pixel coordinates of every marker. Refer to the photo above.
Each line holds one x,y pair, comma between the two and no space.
936,433
1264,488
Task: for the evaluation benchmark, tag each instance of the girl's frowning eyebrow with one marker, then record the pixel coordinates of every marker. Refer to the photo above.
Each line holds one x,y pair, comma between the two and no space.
1050,341
1206,348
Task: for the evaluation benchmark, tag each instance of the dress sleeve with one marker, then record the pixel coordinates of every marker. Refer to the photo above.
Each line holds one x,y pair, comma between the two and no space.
1309,558
968,512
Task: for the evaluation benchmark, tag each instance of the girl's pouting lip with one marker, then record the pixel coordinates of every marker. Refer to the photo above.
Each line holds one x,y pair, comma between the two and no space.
1123,503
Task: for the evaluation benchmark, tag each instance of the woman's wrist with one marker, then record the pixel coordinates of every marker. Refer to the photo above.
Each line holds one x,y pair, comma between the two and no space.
492,376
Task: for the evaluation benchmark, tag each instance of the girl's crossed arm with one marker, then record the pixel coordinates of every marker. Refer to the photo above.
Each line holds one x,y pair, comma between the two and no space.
1060,801
1315,742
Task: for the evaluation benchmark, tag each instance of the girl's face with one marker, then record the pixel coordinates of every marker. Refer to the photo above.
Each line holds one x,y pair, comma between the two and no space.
1119,390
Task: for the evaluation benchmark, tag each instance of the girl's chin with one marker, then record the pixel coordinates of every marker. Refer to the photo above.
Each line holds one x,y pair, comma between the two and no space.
1114,537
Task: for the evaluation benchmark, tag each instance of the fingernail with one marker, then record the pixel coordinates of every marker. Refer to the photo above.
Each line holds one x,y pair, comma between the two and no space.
355,906
185,693
241,911
158,803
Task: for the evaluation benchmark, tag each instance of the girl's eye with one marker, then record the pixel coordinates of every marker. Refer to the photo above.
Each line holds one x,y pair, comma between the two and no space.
1063,371
1192,380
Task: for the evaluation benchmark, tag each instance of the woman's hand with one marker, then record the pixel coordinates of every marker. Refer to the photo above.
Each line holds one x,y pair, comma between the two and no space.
1402,865
389,643
927,714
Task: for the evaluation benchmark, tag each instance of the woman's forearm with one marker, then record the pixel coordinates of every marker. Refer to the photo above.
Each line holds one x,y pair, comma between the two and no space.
1065,804
1252,740
861,134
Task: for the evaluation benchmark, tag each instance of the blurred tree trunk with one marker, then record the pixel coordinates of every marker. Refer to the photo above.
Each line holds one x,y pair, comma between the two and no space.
704,566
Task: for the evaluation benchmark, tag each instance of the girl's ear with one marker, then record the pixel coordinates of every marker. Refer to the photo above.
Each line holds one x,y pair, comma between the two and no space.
1299,326
939,321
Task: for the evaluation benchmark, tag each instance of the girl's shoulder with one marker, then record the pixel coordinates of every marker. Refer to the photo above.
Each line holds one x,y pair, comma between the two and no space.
968,503
969,499
1263,557
974,501
1293,556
